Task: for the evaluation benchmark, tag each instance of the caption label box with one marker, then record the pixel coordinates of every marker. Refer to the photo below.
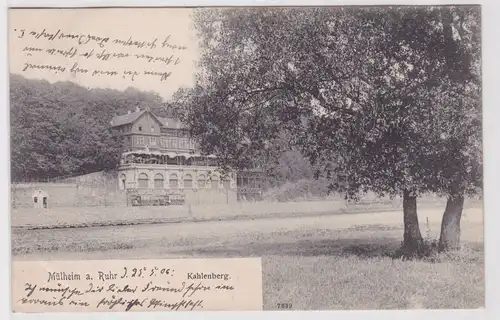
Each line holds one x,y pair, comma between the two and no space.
137,285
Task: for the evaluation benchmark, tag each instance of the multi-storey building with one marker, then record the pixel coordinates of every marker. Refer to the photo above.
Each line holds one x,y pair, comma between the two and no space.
161,157
142,129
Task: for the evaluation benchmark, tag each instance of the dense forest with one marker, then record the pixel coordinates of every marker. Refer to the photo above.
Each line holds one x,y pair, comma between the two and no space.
63,128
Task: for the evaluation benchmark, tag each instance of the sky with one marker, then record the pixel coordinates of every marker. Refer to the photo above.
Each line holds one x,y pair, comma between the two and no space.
67,44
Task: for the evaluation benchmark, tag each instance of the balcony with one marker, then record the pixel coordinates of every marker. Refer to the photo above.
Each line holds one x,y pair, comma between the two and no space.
148,158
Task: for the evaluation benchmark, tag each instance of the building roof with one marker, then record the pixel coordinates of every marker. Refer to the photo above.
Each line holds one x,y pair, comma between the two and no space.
126,118
131,117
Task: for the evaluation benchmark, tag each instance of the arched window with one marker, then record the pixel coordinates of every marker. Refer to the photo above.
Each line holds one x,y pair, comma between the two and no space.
214,182
143,180
174,181
159,181
188,181
201,181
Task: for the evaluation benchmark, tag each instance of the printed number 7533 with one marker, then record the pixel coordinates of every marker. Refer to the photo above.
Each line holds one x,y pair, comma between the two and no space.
284,306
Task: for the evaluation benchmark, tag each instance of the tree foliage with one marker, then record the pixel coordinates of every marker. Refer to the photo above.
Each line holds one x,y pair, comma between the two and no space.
390,95
373,88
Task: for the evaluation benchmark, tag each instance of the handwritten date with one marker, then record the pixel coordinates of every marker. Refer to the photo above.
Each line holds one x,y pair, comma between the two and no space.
141,272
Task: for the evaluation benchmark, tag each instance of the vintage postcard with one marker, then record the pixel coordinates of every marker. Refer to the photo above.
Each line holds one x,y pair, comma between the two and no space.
246,158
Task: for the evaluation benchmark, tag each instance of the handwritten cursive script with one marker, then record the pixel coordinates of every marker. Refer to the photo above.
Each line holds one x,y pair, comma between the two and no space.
133,285
76,54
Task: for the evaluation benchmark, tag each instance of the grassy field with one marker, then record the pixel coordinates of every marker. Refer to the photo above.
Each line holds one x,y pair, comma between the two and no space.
322,262
76,217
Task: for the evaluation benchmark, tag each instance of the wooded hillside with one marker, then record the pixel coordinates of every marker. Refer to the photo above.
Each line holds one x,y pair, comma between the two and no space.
63,128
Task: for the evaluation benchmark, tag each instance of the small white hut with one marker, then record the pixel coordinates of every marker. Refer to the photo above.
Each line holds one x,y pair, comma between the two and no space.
40,199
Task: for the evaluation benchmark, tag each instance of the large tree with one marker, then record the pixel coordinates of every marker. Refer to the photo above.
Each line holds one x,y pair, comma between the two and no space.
361,86
460,139
439,110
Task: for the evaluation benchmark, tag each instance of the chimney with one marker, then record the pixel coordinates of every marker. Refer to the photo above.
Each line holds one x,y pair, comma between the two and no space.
128,112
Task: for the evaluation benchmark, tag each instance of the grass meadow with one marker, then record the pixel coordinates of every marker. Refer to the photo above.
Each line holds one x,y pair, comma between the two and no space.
340,261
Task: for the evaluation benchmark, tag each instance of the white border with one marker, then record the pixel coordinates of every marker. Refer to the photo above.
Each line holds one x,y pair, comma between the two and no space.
145,3
491,101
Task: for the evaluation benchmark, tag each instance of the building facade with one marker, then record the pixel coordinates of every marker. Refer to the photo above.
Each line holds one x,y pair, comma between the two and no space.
143,130
161,158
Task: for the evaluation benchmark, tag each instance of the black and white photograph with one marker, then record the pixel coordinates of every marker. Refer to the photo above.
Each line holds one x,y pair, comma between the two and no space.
341,145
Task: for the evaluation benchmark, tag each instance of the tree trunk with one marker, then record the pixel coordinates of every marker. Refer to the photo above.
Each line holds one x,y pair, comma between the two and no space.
412,238
450,225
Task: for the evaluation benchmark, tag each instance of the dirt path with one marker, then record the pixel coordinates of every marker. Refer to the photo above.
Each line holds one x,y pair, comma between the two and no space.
147,241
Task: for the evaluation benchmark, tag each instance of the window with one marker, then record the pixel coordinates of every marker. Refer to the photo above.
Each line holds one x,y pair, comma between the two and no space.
191,144
143,181
188,181
174,181
201,181
174,143
159,181
140,140
152,141
139,128
162,142
152,129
